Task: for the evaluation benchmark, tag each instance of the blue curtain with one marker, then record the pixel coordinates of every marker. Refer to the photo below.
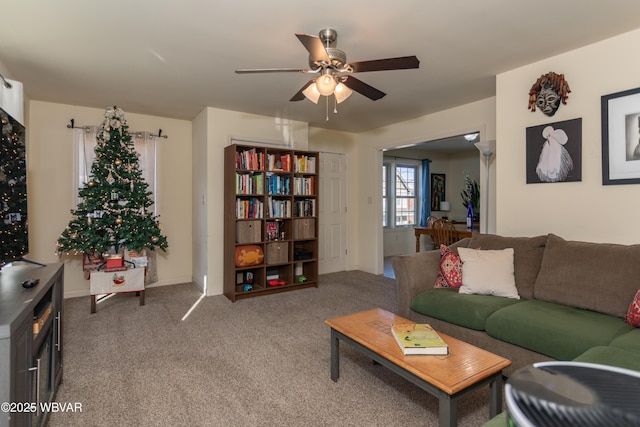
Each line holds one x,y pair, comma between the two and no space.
425,197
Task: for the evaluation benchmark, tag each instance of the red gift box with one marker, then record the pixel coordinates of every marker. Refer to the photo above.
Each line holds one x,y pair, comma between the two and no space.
115,261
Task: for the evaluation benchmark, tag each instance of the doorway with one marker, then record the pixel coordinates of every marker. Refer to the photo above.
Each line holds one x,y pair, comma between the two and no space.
451,159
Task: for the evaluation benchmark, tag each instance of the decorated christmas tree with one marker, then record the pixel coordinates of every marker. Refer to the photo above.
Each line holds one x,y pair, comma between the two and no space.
113,213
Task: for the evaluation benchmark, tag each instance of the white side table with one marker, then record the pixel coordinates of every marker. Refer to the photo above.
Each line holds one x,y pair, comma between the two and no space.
103,282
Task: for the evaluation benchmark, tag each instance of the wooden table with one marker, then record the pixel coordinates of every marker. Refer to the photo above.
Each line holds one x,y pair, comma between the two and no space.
450,377
460,228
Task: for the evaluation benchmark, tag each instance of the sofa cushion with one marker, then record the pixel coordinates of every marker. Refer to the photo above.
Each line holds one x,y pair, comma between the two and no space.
597,276
450,274
556,330
488,272
628,341
527,257
632,317
606,355
470,311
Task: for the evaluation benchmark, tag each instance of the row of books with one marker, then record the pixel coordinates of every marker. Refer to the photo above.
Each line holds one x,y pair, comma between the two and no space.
249,183
304,185
305,207
305,164
250,159
278,208
419,338
249,208
277,184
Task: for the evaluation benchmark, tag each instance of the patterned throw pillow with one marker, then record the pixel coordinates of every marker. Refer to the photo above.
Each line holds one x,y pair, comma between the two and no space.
633,314
450,274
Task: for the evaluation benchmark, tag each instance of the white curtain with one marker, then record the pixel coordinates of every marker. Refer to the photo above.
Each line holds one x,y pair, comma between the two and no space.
85,143
145,145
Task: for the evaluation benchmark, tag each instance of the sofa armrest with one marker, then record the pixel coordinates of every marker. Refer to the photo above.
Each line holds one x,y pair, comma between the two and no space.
415,273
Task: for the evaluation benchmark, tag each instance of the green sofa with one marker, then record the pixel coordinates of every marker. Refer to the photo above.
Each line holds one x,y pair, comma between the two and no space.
573,297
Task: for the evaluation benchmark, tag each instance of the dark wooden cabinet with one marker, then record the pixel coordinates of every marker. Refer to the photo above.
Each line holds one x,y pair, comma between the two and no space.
270,220
30,342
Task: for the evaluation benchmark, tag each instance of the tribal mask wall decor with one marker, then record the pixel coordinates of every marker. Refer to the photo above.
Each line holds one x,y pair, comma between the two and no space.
547,92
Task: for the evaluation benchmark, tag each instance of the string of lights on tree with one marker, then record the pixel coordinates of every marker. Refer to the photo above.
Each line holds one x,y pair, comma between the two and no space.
13,189
114,209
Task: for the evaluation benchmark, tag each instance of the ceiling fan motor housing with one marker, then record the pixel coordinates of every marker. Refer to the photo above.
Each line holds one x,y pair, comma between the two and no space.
329,37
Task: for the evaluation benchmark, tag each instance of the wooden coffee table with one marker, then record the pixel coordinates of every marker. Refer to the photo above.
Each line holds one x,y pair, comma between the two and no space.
465,369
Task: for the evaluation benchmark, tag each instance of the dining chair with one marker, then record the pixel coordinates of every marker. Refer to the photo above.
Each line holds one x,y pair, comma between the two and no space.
430,220
444,233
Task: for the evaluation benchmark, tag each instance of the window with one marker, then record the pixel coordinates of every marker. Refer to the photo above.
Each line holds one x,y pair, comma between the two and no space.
385,198
400,193
85,142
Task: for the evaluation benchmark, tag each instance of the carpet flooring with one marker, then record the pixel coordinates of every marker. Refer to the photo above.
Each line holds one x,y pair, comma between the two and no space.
187,360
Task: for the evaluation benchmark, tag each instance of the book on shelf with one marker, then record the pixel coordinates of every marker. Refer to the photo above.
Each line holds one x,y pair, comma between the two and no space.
419,338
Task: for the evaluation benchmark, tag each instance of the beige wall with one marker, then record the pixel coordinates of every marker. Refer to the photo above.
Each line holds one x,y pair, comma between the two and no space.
584,210
200,179
51,193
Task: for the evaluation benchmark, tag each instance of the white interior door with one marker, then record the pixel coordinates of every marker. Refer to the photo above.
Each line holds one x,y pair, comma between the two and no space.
332,221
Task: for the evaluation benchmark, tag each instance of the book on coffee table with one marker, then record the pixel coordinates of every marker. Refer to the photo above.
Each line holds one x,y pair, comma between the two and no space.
419,338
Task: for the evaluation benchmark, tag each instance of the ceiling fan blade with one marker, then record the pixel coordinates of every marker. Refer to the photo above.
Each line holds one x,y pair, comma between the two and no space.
271,70
315,47
363,88
400,63
300,96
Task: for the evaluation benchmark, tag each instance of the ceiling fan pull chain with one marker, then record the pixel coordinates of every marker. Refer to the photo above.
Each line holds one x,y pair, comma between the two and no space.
335,105
327,112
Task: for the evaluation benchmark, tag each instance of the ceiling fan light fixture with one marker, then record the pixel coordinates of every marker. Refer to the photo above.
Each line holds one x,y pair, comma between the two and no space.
312,94
326,84
342,92
471,136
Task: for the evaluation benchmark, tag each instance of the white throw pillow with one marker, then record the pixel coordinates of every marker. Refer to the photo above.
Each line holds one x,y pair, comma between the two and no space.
488,272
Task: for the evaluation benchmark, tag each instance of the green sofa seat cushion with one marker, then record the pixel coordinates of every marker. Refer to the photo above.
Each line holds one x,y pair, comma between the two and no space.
628,341
499,420
555,330
607,355
470,311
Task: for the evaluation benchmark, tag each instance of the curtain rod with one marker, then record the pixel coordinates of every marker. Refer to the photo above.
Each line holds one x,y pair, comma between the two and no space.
72,125
5,82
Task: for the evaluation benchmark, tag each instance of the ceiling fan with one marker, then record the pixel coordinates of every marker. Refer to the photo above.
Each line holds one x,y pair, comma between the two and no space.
335,74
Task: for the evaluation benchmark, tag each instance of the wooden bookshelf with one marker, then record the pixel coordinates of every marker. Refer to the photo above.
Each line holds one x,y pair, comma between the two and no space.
270,221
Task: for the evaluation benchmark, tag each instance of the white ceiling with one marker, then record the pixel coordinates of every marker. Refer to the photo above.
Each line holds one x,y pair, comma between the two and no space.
173,58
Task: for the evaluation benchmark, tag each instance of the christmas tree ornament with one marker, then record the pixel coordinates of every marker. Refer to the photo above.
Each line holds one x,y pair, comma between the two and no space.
118,162
119,220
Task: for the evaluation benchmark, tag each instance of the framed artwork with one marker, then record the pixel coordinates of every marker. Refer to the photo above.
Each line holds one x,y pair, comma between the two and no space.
554,152
621,137
437,190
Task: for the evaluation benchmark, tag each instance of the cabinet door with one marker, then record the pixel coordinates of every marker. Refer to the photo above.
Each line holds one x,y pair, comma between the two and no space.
22,376
58,291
